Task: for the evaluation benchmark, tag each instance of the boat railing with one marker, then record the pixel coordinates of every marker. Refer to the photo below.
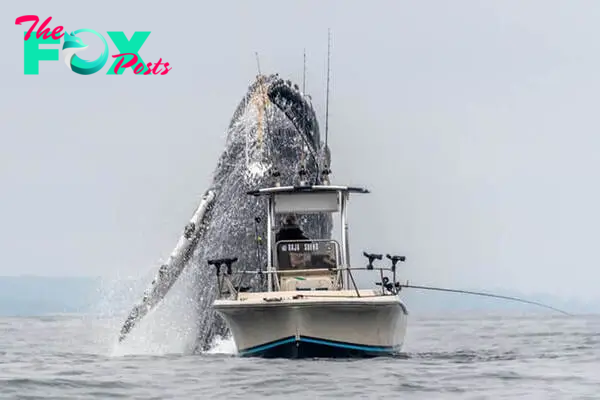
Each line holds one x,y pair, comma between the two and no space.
226,286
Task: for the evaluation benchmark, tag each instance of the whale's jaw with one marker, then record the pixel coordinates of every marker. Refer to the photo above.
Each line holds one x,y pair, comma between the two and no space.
70,52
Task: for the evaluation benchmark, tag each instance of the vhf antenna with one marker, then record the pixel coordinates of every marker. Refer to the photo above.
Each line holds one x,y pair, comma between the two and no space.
327,98
304,74
257,62
304,120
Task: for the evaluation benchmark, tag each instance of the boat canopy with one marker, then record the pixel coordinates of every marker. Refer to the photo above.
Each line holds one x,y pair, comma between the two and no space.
311,254
306,188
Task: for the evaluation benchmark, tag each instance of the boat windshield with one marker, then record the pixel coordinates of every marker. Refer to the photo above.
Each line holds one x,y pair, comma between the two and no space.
307,254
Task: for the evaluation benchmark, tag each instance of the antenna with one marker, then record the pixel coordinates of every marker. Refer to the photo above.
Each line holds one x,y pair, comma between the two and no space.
304,74
327,98
304,119
257,62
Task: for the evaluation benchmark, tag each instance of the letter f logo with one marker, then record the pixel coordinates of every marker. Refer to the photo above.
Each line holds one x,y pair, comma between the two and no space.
32,54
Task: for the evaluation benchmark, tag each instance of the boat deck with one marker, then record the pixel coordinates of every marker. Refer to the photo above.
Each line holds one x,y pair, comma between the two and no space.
330,298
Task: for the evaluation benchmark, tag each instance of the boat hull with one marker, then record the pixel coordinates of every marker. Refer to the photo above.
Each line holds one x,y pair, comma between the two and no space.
307,347
282,326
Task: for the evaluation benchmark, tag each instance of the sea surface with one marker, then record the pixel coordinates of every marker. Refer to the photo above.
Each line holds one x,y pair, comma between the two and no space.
452,357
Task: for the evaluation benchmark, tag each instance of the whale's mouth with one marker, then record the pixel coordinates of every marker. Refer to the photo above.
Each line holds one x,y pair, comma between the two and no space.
70,52
298,109
279,123
295,105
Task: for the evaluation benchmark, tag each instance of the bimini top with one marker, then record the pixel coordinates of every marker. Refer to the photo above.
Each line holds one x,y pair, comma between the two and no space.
306,189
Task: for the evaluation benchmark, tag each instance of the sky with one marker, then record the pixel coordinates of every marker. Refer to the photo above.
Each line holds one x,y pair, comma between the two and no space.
473,124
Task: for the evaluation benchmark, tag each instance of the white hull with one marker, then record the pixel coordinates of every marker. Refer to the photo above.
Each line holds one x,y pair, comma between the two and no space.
297,324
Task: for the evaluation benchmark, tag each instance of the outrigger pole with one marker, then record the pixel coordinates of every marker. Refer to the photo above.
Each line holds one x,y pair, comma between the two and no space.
327,95
304,74
497,296
326,170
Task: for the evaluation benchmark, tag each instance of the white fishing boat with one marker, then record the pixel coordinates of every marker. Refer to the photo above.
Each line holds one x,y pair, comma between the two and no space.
312,306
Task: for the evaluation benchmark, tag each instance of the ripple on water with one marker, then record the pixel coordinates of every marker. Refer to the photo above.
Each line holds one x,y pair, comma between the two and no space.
445,359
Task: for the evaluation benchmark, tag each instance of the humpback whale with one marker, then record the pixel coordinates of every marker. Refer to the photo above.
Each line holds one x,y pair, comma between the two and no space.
273,138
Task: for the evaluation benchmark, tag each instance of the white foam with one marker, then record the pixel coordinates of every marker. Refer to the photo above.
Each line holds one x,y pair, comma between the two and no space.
222,346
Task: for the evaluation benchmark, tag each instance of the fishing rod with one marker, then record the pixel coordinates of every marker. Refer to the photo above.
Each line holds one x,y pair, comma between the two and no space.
326,170
497,296
304,74
395,287
327,95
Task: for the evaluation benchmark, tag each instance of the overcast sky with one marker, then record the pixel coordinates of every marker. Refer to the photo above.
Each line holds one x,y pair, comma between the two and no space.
474,125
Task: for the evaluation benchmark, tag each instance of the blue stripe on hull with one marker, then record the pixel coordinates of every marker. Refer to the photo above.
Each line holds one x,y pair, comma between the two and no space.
307,347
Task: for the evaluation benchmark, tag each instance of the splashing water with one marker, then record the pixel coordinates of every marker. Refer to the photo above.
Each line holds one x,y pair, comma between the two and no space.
223,346
171,327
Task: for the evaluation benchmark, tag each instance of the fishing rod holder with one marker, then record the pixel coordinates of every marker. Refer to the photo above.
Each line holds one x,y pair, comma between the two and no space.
393,288
395,260
371,258
225,280
228,263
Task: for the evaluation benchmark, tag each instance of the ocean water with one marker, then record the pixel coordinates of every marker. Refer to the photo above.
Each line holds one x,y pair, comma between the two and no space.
452,357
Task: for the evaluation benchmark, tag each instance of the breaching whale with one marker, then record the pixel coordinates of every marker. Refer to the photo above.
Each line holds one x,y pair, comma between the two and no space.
273,138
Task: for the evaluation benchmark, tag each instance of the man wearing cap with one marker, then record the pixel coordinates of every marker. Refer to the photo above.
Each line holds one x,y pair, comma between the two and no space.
290,230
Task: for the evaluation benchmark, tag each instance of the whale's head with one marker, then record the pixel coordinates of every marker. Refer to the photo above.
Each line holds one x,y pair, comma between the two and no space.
275,128
72,45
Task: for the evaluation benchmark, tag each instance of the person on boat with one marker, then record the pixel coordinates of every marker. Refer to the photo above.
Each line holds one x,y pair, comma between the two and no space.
290,230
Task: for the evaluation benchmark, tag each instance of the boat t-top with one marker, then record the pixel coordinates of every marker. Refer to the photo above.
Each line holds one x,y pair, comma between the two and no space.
312,306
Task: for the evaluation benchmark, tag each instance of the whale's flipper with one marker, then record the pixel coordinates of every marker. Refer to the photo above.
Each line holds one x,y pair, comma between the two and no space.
274,128
170,271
